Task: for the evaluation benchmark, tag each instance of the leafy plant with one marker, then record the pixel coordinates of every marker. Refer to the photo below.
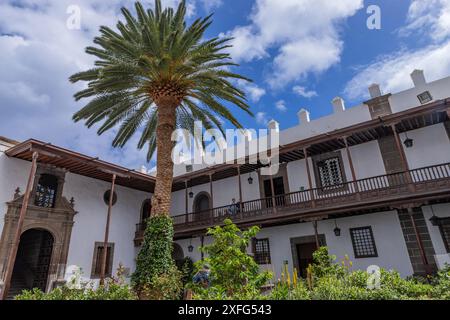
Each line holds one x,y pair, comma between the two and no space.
156,276
114,289
234,274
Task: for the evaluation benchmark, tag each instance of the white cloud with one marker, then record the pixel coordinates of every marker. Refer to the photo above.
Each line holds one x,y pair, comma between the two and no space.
430,17
253,91
281,105
392,72
38,54
303,92
209,5
261,118
304,34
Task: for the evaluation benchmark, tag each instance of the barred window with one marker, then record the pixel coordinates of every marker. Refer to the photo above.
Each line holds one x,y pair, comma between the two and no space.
330,172
46,191
262,251
363,242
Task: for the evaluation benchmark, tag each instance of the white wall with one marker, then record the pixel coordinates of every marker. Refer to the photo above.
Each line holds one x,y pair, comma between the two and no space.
431,146
391,247
441,211
407,99
90,221
13,173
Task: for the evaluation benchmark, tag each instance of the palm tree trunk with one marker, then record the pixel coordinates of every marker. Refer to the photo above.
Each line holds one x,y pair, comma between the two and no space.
164,176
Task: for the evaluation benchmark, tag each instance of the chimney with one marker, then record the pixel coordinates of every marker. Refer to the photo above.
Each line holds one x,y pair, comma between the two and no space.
338,104
248,135
418,78
303,116
375,90
273,125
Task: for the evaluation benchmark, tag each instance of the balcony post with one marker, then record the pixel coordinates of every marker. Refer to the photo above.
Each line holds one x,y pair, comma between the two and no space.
272,189
105,242
15,244
240,192
211,205
403,159
308,172
186,202
316,234
352,168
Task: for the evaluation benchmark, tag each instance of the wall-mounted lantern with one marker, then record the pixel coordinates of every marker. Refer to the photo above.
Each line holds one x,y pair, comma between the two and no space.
191,194
337,230
408,141
435,221
250,180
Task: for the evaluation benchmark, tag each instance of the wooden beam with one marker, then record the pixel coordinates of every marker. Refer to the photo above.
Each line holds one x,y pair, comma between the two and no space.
105,242
15,244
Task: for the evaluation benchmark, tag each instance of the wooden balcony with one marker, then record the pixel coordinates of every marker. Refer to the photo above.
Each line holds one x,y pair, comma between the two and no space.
416,186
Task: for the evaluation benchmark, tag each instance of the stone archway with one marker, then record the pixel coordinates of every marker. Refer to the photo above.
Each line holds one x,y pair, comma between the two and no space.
58,220
33,261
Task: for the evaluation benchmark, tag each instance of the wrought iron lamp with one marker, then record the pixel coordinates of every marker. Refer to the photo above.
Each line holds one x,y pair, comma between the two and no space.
435,221
250,180
408,141
337,230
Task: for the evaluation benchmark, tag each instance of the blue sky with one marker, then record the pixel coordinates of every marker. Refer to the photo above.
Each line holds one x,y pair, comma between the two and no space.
300,54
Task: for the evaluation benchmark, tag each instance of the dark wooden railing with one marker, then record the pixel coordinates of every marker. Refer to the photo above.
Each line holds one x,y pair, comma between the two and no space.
389,185
421,180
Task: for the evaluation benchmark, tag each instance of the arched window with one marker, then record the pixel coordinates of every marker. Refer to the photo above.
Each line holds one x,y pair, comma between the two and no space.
46,191
202,202
146,209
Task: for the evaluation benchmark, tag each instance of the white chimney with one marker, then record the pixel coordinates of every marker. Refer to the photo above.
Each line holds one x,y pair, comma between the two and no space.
338,104
375,90
418,78
303,116
248,135
273,125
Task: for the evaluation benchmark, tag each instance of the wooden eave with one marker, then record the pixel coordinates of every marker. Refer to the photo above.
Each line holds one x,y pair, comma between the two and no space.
81,164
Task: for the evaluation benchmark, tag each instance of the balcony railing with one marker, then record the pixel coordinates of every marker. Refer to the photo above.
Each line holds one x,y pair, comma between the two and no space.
414,183
389,186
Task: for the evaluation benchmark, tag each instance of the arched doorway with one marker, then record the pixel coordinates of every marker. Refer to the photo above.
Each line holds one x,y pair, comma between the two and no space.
202,204
32,264
178,255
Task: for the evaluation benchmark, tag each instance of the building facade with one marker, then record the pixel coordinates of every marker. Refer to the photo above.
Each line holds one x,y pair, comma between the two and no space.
371,182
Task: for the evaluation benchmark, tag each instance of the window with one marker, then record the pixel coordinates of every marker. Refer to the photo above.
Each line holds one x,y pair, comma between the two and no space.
106,197
46,191
444,226
363,242
262,251
330,172
425,97
189,168
98,258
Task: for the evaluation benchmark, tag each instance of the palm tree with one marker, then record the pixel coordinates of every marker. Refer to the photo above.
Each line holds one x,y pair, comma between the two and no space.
153,75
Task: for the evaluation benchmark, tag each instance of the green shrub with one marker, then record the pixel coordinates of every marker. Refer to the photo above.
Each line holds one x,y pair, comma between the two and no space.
441,288
233,273
284,291
114,289
155,268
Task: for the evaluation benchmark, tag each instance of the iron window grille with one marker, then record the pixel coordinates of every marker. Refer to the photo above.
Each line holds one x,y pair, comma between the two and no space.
262,251
46,191
363,242
330,173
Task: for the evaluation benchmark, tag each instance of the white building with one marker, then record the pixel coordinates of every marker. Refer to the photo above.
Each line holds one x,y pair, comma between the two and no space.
375,187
